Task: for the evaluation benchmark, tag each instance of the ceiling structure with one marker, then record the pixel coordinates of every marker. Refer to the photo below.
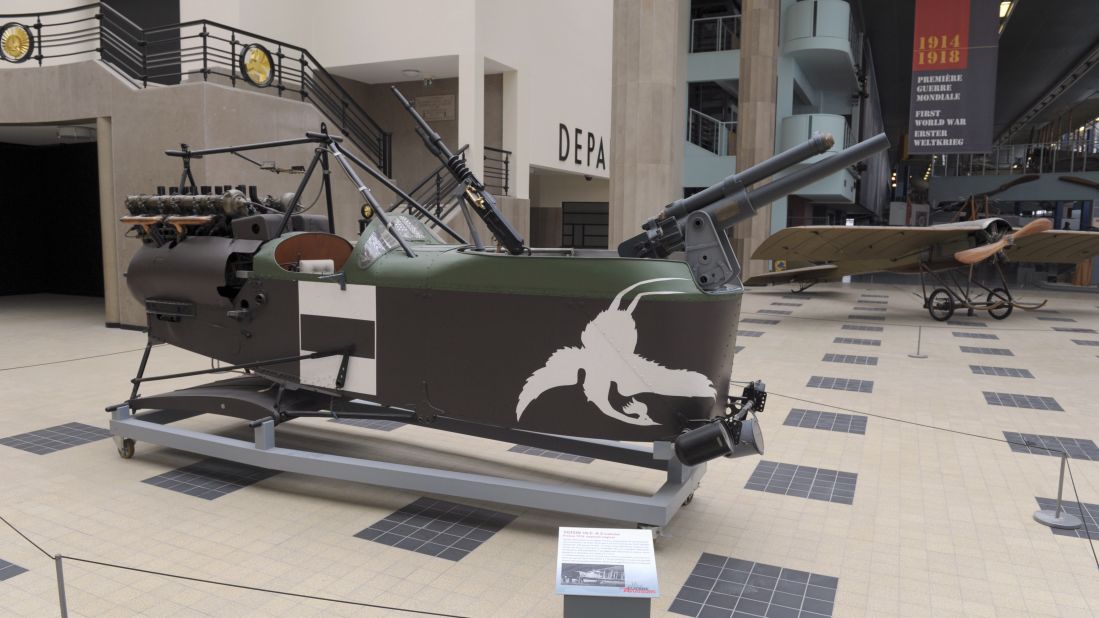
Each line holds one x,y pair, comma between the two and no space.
1041,44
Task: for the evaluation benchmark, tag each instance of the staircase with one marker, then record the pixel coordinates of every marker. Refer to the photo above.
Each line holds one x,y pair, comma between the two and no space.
199,49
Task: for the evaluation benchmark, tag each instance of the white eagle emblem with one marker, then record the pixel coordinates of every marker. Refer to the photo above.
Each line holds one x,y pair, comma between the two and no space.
607,356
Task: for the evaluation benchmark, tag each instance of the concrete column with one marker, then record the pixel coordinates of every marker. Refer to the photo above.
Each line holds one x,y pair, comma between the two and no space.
471,109
648,110
108,220
759,48
516,136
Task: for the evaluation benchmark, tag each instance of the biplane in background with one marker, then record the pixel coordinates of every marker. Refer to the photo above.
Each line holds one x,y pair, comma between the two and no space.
950,256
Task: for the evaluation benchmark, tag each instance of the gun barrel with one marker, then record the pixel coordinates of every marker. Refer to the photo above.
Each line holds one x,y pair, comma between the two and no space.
817,144
737,207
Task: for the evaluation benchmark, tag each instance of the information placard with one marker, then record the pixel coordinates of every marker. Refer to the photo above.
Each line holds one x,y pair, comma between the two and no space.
606,562
436,107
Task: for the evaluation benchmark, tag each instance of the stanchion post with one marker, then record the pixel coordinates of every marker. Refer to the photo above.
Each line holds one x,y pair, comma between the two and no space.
1058,518
61,586
919,340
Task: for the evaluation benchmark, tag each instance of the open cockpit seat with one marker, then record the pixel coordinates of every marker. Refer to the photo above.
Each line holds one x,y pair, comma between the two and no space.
313,252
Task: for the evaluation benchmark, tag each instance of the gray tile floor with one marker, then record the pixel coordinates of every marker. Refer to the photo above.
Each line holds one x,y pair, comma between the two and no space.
1076,448
1065,329
803,482
1031,402
749,333
872,302
9,570
858,308
829,421
1085,342
1090,516
1003,372
370,423
775,311
866,327
989,351
975,335
721,586
210,478
437,528
541,452
1054,319
781,304
967,323
850,359
859,316
869,295
855,341
53,439
760,321
841,384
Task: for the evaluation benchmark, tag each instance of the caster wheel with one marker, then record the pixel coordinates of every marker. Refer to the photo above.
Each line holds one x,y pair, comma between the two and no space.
126,451
655,530
690,497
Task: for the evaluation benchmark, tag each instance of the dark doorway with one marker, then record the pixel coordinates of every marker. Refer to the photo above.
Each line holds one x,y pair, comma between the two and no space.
584,225
49,231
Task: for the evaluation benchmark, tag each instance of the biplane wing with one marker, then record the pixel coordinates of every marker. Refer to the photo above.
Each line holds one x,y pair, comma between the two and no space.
809,274
1055,246
837,243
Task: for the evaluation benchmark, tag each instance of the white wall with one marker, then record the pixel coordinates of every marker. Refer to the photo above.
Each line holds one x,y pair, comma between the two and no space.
562,52
558,53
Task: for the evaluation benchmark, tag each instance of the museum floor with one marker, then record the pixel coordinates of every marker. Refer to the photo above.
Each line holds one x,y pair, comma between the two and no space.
887,487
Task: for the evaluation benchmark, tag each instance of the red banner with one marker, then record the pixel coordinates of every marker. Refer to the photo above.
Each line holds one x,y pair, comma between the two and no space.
941,38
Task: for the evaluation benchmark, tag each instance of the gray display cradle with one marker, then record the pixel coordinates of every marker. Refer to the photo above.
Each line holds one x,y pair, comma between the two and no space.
651,511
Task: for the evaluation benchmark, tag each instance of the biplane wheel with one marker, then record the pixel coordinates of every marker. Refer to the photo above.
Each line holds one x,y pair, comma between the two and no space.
1004,310
940,305
126,451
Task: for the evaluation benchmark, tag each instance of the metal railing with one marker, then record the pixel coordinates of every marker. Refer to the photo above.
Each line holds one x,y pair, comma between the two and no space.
1018,159
437,192
200,48
497,170
710,34
705,131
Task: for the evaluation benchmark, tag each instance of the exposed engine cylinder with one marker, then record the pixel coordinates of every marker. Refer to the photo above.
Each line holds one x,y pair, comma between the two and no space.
231,204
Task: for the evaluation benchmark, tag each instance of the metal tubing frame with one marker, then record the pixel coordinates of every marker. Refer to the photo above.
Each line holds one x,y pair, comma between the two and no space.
301,189
654,510
338,154
959,295
404,196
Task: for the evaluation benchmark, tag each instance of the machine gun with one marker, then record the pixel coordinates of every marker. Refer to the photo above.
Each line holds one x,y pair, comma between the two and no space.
474,193
697,224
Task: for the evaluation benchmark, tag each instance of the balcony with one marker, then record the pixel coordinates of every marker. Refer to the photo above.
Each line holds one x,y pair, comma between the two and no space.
714,34
839,187
711,149
714,49
820,35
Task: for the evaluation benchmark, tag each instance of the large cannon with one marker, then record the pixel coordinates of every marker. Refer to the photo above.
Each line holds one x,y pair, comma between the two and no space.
697,224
